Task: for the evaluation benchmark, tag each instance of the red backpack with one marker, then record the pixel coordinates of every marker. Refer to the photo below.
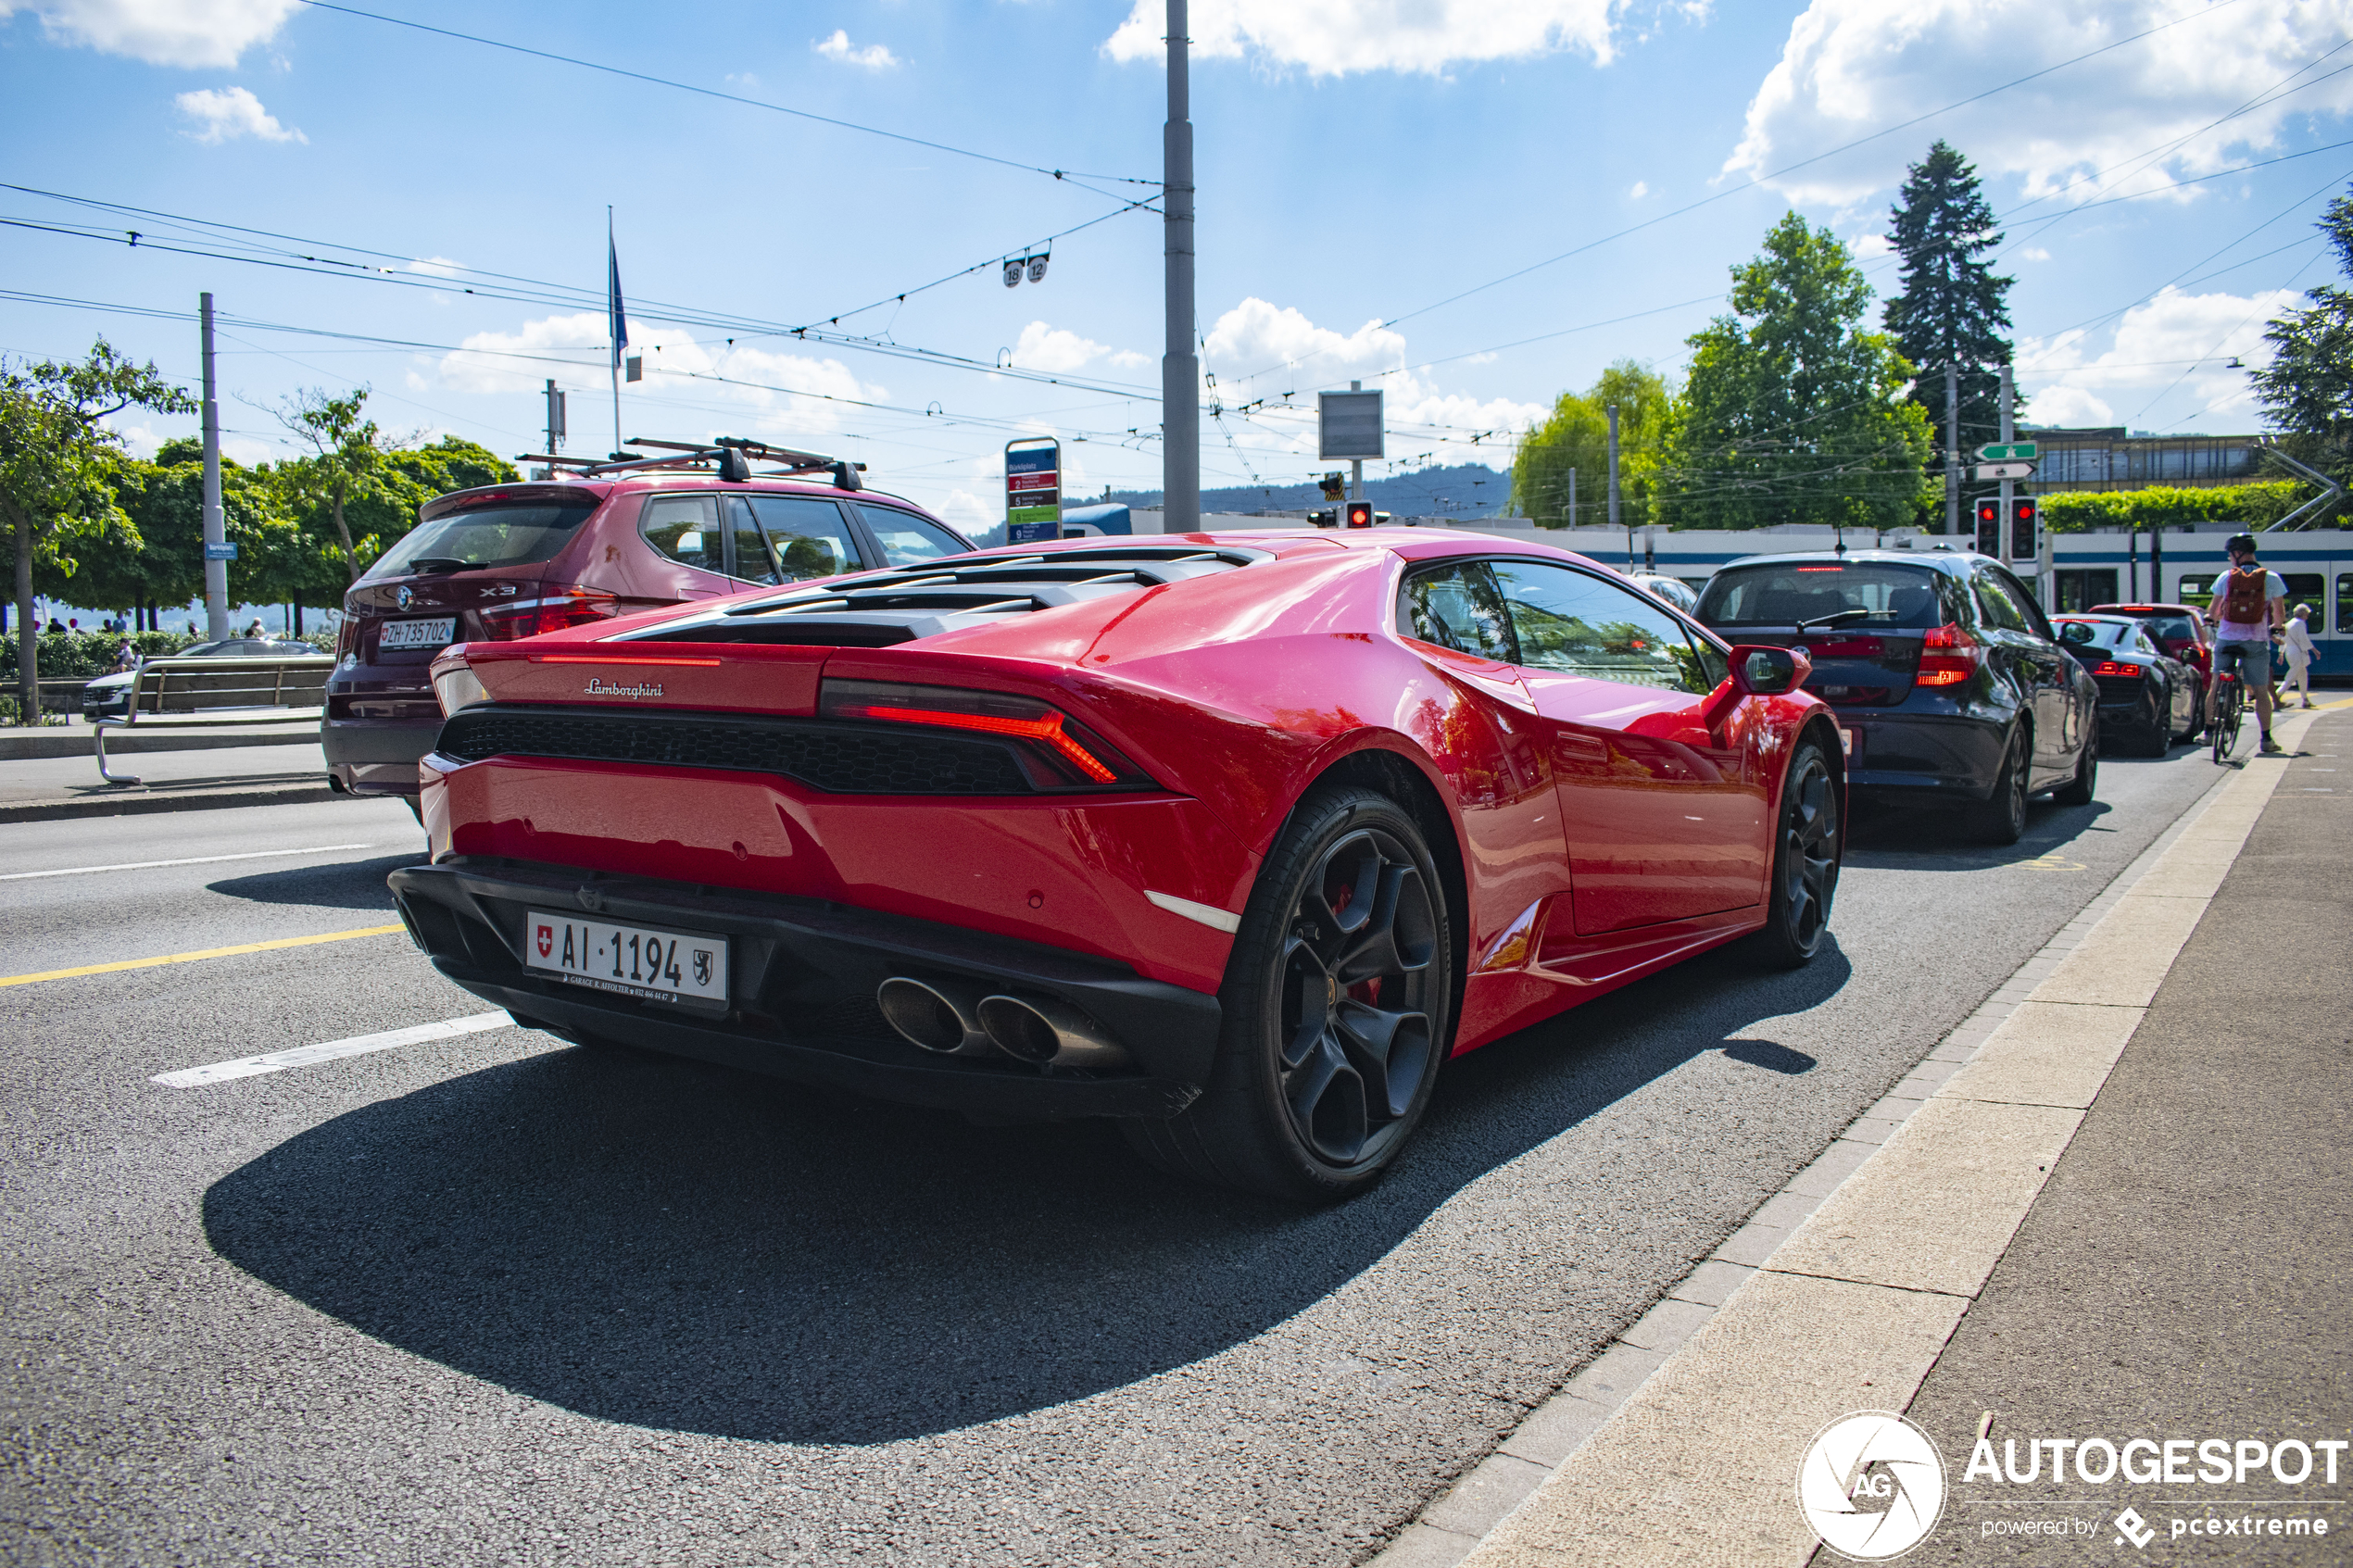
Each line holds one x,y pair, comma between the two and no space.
2241,601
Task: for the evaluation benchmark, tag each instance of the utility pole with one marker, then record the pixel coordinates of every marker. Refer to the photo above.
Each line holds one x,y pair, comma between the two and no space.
1572,497
1179,366
556,431
216,531
1953,449
1612,467
2007,543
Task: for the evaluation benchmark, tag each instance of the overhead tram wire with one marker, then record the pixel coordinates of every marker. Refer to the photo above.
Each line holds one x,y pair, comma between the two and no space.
733,97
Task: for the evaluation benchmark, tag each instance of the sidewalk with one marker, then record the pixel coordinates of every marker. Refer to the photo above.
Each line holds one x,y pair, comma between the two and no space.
42,788
2112,1206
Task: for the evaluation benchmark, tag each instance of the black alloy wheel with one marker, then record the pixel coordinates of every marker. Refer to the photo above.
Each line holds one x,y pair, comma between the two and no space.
1807,853
2079,790
2158,724
1336,1001
2001,818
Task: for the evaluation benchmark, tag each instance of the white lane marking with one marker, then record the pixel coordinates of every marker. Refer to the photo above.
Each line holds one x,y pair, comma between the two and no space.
1208,915
303,1055
192,860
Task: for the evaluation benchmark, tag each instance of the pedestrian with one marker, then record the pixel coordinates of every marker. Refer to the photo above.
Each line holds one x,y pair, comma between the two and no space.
254,630
2249,599
2297,638
126,657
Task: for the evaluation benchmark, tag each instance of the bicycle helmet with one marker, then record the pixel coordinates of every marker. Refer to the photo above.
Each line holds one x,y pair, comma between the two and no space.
2241,545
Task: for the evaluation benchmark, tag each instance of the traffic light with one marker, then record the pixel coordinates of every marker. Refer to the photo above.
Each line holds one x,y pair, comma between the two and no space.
1360,514
1988,527
2026,516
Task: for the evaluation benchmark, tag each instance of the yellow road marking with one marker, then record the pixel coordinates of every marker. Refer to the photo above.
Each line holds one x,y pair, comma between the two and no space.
191,958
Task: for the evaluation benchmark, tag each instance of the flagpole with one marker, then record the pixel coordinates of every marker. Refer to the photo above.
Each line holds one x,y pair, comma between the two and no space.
614,327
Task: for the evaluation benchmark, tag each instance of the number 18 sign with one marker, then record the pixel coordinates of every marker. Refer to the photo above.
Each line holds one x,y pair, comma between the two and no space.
1033,491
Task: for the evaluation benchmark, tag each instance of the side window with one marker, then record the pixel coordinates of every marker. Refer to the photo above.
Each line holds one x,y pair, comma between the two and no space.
908,540
752,563
1995,605
1582,625
809,537
1457,606
2344,602
685,528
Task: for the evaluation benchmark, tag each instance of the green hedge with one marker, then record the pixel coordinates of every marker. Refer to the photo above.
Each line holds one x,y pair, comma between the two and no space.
66,655
2255,505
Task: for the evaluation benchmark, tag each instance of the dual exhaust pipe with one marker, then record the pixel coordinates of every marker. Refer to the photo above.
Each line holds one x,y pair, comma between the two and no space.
958,1018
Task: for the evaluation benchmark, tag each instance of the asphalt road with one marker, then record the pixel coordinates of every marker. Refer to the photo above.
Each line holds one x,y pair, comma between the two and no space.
497,1299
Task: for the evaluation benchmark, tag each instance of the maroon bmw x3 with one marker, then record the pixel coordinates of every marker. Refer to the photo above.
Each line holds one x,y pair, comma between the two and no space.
512,560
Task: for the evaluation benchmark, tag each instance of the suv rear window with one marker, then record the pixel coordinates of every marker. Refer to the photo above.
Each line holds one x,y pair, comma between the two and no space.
1774,593
494,536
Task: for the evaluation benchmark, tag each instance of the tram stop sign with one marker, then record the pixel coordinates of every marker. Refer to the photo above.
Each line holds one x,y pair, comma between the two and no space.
1033,491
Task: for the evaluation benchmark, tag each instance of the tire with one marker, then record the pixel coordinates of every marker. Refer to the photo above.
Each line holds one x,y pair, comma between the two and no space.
2000,819
2157,737
2079,790
1319,1080
2226,728
1806,850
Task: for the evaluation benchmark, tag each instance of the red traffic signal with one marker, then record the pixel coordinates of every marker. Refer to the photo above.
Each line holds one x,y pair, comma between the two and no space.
1360,514
2026,512
1988,527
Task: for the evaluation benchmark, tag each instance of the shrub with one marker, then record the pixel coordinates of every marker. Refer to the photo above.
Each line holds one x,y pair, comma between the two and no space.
2256,506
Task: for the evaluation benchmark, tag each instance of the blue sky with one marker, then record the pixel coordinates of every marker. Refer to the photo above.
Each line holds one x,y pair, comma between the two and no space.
1361,162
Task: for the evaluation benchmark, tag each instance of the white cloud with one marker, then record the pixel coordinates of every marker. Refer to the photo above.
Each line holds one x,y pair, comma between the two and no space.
162,32
1641,188
1042,347
232,112
2030,252
872,56
437,267
1851,67
1334,37
776,394
2176,346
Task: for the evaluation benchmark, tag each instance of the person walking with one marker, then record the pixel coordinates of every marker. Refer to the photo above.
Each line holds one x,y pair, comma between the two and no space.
2296,639
2249,599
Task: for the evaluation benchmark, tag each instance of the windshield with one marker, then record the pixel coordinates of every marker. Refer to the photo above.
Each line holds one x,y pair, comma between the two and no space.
2093,633
483,536
1892,596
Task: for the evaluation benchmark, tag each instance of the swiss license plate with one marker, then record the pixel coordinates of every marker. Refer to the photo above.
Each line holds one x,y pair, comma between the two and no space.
417,634
653,962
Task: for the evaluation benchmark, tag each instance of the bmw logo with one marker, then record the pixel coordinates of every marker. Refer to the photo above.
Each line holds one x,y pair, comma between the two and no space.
402,597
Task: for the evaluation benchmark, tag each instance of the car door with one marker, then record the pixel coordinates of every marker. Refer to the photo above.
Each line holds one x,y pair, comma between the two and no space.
1664,821
2035,664
904,539
806,536
684,531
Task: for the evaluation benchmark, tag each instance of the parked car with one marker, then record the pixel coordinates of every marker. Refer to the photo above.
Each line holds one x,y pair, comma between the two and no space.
514,561
2147,696
1233,838
108,697
1943,670
1674,590
2182,632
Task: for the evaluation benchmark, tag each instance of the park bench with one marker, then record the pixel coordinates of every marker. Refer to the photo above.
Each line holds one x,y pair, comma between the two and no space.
189,694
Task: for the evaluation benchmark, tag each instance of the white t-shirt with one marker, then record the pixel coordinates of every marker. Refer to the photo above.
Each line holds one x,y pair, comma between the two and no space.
2298,639
2246,632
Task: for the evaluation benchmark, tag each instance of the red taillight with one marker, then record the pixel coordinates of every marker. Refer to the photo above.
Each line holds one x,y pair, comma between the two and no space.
551,612
1948,656
1069,748
346,635
2109,667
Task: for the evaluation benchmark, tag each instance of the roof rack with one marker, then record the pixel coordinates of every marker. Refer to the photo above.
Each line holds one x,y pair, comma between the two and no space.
730,457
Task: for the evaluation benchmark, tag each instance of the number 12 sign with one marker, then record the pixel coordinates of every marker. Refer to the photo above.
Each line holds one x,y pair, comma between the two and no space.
1033,490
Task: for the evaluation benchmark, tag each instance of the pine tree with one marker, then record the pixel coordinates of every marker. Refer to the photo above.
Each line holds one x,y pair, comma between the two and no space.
2306,391
1952,310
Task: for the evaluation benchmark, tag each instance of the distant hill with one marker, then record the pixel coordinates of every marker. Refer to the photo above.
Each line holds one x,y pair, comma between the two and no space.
1463,490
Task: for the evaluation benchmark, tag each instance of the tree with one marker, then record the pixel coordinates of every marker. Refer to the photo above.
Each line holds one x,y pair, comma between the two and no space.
1951,309
2307,390
348,454
1577,436
55,456
1792,412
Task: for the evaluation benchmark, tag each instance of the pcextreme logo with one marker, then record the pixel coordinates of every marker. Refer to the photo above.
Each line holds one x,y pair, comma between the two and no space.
1871,1485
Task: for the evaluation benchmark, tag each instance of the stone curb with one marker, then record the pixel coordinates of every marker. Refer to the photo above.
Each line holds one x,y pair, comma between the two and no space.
2004,1089
77,741
136,802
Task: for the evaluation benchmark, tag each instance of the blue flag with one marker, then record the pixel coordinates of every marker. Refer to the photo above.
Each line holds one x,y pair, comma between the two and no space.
618,324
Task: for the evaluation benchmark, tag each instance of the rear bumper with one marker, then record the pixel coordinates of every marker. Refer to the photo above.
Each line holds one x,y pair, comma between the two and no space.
1920,758
377,755
804,976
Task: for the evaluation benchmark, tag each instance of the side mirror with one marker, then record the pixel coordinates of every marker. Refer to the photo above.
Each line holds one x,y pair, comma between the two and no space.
1762,670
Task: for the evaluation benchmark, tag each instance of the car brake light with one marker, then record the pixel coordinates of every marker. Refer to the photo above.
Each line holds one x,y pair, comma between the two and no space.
551,612
2109,667
1948,656
1077,757
457,686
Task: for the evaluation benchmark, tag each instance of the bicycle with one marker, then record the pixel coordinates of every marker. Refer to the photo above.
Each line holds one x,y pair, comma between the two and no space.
2228,705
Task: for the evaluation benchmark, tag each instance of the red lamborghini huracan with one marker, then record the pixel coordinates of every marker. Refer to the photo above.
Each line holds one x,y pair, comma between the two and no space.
1231,838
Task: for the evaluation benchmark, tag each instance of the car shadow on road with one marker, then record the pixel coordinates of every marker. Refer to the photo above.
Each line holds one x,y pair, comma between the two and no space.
345,884
671,1245
1923,838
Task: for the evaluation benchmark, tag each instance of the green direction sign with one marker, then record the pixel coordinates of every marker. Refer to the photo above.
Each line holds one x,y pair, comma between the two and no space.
2007,452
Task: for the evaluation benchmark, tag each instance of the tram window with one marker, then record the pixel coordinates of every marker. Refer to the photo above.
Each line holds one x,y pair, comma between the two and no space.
2344,603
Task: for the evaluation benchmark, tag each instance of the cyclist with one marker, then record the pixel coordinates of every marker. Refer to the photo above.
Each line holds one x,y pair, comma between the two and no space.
2249,599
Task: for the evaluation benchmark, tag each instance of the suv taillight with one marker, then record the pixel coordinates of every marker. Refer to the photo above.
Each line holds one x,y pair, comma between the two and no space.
551,612
1948,656
1058,753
